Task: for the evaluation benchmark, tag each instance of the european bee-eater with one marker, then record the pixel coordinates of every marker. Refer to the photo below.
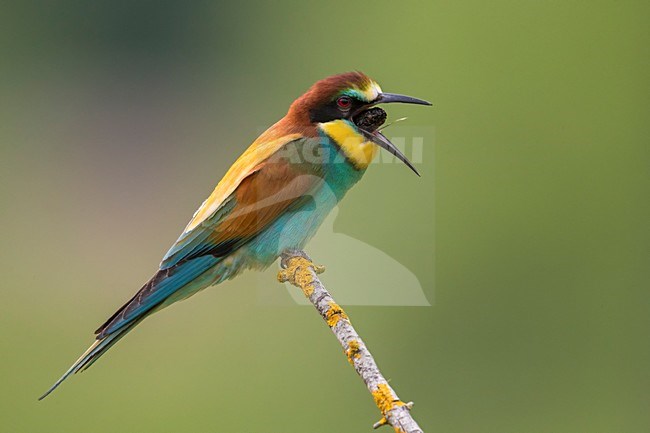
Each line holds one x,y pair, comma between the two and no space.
272,199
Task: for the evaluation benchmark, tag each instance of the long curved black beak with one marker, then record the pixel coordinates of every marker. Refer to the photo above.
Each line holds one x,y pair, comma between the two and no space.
380,140
386,98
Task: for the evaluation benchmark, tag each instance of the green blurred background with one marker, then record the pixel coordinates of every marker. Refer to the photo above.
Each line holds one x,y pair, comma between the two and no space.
528,230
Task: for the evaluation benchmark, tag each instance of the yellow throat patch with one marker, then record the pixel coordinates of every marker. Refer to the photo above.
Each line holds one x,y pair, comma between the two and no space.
354,145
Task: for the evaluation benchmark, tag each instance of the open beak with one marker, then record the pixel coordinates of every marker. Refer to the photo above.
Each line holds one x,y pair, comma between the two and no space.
380,140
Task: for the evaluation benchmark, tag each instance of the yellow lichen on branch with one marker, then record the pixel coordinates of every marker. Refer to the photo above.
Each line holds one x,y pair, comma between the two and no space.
353,351
384,398
334,314
299,270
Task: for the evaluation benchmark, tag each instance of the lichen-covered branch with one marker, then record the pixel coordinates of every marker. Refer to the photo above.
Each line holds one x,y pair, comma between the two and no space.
299,270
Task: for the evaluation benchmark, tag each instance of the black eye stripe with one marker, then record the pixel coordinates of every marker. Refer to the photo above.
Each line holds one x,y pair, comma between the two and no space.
331,110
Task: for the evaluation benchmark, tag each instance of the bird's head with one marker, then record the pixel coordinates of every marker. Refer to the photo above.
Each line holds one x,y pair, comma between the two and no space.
342,107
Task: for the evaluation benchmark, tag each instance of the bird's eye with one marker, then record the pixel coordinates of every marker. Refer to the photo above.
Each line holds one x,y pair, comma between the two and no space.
344,102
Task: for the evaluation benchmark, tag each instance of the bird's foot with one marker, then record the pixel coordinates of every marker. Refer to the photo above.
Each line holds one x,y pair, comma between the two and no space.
296,267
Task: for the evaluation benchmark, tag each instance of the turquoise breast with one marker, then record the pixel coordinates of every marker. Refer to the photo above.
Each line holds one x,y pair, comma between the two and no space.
294,228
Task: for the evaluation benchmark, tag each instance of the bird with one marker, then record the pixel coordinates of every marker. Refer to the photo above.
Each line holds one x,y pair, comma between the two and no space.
271,200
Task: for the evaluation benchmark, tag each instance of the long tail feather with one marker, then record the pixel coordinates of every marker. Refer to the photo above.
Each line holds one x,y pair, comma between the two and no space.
75,367
92,354
150,298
